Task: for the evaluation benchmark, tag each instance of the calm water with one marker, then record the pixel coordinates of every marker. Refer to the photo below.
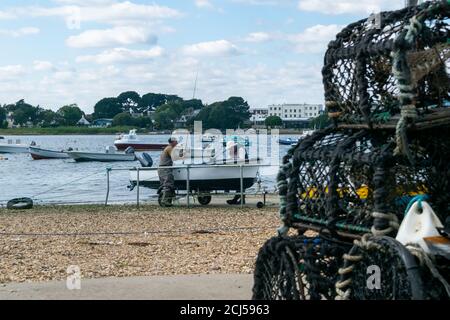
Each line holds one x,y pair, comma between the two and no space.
65,181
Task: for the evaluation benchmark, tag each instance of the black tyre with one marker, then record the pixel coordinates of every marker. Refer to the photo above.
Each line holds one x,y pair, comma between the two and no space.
204,200
20,204
167,204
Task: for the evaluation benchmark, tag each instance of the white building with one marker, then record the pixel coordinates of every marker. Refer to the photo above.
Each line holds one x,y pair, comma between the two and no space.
10,120
259,115
83,121
295,112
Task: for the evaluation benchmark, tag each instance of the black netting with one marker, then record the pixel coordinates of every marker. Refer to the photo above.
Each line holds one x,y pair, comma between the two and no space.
359,78
347,183
386,270
297,268
339,178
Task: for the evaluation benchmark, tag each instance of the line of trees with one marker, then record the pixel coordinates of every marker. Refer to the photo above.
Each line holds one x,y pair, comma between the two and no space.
24,114
152,111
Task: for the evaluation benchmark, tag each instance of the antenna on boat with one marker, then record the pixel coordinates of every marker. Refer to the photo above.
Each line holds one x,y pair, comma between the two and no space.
195,86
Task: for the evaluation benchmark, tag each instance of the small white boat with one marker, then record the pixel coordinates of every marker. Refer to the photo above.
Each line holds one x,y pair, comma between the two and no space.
10,147
132,140
109,156
41,154
203,178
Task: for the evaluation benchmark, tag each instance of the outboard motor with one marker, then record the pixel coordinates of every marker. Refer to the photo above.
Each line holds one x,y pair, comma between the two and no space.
129,150
146,160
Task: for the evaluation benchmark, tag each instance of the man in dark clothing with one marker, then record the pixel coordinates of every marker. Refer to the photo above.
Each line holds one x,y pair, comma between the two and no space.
165,175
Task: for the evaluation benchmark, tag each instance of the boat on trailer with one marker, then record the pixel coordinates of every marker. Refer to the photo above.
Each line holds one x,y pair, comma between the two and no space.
134,141
203,178
44,154
109,156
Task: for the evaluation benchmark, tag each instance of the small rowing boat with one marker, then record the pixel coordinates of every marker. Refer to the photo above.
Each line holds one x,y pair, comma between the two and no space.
109,156
44,154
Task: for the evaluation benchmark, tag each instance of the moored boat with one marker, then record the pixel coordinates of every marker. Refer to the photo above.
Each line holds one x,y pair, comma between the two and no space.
10,147
287,141
42,154
134,141
109,156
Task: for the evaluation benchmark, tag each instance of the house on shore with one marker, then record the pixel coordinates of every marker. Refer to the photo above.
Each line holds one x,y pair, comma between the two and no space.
102,123
83,122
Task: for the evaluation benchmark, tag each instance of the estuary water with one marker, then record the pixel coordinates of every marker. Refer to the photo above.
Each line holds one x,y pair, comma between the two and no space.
66,182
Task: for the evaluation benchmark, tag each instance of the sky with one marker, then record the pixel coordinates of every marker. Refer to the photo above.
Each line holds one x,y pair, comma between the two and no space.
59,52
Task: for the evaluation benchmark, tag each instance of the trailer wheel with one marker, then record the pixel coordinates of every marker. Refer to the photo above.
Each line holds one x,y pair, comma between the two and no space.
204,200
162,204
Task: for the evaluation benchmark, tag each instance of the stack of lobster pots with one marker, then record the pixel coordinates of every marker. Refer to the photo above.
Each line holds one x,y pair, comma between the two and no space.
365,202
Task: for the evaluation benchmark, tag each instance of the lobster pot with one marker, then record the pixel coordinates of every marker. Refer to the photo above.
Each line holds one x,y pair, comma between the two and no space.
338,179
377,65
429,173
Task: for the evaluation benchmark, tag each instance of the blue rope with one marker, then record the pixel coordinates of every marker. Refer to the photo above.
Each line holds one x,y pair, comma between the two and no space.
419,199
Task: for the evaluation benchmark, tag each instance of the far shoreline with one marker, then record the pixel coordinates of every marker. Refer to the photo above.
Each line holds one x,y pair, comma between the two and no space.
81,131
75,131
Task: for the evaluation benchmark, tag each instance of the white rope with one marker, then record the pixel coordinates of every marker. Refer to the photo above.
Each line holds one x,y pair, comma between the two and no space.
393,223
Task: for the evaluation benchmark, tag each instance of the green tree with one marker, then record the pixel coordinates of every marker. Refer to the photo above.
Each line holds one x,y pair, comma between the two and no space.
273,121
107,108
123,119
71,114
24,113
151,101
144,122
49,118
320,122
228,114
194,104
166,115
129,100
3,123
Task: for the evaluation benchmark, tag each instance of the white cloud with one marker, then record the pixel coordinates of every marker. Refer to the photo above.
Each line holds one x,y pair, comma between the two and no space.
11,71
349,6
42,65
19,32
262,2
118,36
103,11
6,15
203,4
85,2
258,37
314,39
211,48
122,55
